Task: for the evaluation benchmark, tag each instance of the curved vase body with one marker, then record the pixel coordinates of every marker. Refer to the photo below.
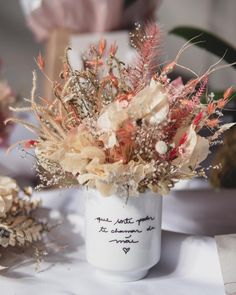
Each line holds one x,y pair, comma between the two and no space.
123,240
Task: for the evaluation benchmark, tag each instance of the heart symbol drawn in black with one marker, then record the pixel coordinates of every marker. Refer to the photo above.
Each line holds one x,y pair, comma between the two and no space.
126,250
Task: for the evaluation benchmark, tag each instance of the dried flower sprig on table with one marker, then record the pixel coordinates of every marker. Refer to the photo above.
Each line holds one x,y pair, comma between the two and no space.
123,129
17,225
6,99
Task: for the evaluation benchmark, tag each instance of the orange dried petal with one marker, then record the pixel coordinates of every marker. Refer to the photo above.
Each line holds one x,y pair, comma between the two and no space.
210,108
101,46
113,49
221,103
212,123
40,61
228,92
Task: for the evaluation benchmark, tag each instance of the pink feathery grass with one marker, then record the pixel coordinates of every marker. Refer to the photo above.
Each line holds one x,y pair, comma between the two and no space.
201,90
148,50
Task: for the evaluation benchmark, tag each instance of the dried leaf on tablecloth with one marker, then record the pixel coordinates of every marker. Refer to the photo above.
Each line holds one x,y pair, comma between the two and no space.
17,225
19,231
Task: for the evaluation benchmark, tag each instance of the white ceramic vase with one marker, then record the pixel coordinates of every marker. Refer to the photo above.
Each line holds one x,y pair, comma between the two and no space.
123,240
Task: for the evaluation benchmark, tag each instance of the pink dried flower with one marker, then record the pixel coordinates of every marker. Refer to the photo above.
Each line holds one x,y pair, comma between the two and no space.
198,118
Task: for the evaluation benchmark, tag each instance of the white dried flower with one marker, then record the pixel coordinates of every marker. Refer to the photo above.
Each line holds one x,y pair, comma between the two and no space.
112,140
161,147
8,190
151,103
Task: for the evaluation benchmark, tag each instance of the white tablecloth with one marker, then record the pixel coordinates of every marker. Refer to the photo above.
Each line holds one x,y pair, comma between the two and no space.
189,264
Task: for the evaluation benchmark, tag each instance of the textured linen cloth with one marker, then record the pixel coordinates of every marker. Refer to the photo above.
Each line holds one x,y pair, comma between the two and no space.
189,264
226,245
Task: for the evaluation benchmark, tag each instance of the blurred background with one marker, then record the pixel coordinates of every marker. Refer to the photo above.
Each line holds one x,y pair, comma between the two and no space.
19,45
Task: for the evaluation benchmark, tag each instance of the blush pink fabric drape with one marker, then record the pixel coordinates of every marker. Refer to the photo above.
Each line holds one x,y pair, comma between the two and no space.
85,15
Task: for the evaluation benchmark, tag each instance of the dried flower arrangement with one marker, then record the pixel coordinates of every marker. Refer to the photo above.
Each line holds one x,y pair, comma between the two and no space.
6,99
124,129
17,225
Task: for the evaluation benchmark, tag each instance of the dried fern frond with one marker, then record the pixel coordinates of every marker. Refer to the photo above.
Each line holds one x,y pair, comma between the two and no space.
6,99
17,225
20,231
